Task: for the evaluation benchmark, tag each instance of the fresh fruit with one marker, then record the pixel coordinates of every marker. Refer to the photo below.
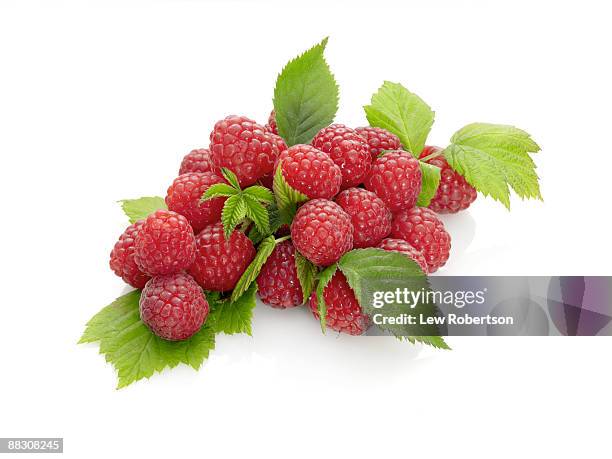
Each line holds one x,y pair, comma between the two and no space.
322,231
243,146
343,312
271,126
219,262
370,216
396,179
310,171
454,192
401,246
379,140
422,229
122,257
173,306
197,161
165,244
348,150
183,197
278,283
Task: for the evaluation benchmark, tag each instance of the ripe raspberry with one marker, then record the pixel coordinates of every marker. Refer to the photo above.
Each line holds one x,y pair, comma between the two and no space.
343,312
348,150
271,126
422,229
454,192
396,179
278,283
322,231
267,181
220,262
310,171
165,244
370,217
197,161
173,306
184,195
122,258
244,147
401,246
379,140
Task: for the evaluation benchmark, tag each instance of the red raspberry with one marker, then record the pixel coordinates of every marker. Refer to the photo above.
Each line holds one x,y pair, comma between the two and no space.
122,258
184,195
165,244
267,181
173,306
396,179
454,192
379,140
271,126
220,262
322,231
310,171
348,150
343,312
422,229
370,217
244,147
197,161
278,283
401,246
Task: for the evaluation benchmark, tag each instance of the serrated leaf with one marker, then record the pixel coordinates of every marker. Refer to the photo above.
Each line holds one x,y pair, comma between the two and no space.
494,158
138,209
231,317
219,190
324,277
306,272
234,211
403,113
261,193
250,274
230,177
370,271
434,341
305,97
286,196
257,213
277,219
132,348
431,179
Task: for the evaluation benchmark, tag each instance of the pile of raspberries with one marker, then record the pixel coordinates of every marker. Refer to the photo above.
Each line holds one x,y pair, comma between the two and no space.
358,198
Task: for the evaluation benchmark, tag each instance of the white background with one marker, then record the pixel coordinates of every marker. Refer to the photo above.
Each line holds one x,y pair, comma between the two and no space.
99,102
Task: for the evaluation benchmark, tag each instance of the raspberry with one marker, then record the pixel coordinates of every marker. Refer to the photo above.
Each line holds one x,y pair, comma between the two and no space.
454,192
423,230
401,246
396,179
310,171
197,161
173,306
220,262
322,231
278,283
267,181
165,244
122,258
343,312
244,147
271,126
184,195
348,150
379,140
370,217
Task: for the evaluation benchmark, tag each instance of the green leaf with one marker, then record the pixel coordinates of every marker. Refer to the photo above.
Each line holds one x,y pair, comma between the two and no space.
257,213
138,209
231,178
324,277
403,113
234,211
231,317
277,218
261,193
264,250
132,348
431,180
219,190
306,273
434,341
494,158
286,197
371,271
305,97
